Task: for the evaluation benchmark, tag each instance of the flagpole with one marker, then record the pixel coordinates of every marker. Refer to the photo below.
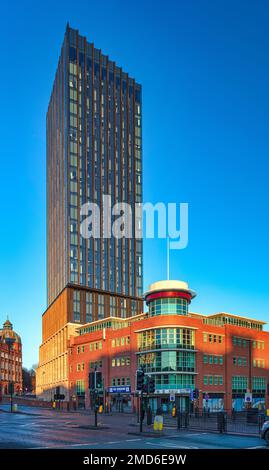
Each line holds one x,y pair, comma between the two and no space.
168,258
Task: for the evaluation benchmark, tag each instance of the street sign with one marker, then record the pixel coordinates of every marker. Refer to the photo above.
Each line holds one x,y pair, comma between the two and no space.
120,389
248,397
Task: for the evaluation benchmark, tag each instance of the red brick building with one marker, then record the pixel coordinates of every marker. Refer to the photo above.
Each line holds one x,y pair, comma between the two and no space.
224,356
10,359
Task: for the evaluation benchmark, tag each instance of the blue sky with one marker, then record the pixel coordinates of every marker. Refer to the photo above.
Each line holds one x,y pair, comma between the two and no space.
204,69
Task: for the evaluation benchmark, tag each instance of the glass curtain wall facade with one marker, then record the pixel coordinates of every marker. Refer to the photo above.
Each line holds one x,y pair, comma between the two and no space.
94,148
168,354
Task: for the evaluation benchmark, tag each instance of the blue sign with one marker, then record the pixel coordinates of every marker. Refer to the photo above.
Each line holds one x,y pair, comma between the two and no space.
120,389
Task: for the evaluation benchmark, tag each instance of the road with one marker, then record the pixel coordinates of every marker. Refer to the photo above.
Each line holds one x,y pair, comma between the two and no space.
45,429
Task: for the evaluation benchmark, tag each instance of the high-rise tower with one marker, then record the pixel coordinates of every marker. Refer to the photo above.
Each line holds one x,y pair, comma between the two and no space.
94,149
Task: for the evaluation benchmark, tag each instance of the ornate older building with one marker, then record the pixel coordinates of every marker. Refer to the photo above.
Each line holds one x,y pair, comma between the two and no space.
10,359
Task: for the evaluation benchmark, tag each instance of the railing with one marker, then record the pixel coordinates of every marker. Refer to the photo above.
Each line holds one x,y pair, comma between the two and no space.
249,422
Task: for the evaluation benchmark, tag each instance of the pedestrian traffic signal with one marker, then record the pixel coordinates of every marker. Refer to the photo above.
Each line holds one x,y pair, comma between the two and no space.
196,393
139,380
151,385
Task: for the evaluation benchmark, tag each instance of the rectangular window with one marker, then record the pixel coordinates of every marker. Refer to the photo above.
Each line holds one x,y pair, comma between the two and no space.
76,306
80,387
205,379
205,337
210,359
89,307
205,359
210,380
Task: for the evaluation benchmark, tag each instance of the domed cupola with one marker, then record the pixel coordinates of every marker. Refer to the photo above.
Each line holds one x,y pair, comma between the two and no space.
8,332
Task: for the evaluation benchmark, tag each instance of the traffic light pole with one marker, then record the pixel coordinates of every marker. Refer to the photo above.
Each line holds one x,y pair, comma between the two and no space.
95,408
11,396
141,411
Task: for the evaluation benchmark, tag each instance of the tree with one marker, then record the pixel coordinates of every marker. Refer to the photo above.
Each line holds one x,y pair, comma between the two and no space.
28,379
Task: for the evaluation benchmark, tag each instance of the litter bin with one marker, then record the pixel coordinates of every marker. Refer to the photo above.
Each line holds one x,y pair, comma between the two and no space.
15,407
158,423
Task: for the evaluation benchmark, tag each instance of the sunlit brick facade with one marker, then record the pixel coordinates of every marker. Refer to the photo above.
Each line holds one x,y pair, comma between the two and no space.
223,355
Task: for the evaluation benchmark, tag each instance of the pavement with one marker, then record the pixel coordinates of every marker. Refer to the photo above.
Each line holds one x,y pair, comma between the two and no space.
38,428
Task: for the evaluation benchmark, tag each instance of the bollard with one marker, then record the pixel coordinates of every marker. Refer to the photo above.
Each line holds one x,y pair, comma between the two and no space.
178,420
149,416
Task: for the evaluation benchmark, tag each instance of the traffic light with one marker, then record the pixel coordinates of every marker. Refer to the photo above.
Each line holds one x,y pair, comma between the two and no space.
98,380
95,380
151,385
196,393
139,380
91,380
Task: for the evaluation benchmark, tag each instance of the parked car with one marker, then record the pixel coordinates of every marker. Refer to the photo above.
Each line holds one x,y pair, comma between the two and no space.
265,432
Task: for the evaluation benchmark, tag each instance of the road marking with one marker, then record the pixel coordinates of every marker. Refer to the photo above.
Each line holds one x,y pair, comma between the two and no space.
257,447
67,445
114,442
132,440
88,444
196,434
169,445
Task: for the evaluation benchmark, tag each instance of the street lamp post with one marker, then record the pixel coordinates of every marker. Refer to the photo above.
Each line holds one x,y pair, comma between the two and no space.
10,342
